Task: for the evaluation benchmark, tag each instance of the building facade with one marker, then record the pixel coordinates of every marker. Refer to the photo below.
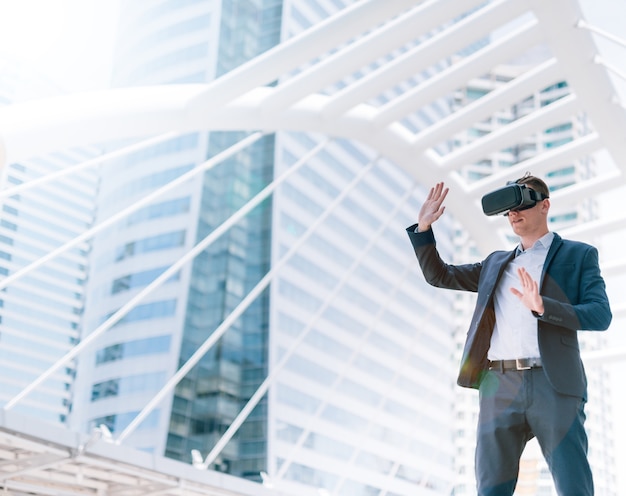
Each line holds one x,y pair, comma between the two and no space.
41,310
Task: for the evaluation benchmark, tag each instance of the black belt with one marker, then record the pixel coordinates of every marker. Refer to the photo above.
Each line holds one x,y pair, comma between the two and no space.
516,364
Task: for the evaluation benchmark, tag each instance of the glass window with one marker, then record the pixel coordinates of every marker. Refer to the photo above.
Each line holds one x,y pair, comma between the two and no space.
105,389
310,370
138,347
194,24
153,310
289,433
139,279
344,418
327,446
166,8
153,243
159,210
121,386
181,56
371,461
311,476
119,422
296,399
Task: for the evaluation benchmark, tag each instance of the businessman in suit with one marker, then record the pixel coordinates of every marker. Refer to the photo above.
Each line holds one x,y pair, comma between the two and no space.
522,351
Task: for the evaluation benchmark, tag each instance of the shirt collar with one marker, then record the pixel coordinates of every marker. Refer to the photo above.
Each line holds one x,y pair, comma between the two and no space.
544,242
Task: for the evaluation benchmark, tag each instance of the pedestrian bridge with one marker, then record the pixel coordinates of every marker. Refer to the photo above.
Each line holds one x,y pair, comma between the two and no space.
46,459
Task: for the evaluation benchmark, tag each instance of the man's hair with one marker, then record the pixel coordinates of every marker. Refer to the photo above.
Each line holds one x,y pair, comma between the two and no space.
535,184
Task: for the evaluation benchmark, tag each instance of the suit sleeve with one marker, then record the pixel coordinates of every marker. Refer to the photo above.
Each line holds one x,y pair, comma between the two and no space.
580,306
436,271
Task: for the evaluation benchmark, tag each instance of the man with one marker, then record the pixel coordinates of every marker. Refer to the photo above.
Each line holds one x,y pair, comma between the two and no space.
522,351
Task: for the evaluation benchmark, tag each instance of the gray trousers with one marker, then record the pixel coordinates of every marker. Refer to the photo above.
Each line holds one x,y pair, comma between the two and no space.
516,406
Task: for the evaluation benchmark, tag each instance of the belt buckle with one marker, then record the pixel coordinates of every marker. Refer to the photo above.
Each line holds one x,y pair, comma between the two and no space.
519,364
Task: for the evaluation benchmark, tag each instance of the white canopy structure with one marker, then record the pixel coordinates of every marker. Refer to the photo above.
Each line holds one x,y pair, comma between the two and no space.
294,87
356,37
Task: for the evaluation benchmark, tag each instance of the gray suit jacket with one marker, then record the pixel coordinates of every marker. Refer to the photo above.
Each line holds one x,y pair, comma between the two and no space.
574,298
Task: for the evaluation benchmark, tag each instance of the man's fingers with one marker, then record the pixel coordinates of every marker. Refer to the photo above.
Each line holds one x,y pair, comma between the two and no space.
524,277
444,193
440,195
432,208
436,191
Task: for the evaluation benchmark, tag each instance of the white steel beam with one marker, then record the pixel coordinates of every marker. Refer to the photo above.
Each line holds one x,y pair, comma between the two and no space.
618,72
431,51
363,51
605,34
293,53
576,51
535,122
455,76
509,94
596,227
541,163
37,127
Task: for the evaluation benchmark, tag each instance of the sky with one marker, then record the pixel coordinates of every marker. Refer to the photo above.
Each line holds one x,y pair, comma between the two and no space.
70,42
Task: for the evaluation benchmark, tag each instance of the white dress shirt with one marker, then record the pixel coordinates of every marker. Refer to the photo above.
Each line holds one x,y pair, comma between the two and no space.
515,332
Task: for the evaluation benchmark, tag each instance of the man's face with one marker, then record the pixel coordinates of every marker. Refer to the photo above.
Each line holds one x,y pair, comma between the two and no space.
529,220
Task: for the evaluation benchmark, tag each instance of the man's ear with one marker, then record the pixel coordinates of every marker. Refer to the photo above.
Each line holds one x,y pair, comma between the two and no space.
545,205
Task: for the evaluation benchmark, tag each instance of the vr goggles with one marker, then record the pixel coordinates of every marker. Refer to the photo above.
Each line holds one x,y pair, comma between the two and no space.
512,197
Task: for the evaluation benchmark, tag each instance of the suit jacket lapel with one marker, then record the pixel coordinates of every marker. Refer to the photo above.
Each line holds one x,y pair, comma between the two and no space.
502,263
554,247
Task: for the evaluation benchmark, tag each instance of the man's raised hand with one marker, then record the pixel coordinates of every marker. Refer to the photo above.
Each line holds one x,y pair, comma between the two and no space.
432,208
